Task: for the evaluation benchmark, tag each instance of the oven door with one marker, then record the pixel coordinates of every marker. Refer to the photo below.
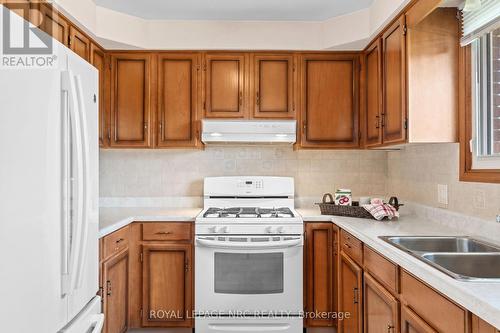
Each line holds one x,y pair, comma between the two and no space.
251,274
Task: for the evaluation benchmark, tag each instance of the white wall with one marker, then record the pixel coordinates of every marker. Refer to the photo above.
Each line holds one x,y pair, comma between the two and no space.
117,30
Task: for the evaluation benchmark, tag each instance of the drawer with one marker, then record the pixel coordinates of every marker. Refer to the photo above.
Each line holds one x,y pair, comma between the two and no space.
385,271
115,242
351,246
166,231
438,311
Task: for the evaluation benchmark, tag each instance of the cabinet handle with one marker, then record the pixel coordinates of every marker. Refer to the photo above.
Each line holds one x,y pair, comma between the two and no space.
389,328
241,98
356,295
377,122
145,126
119,240
108,288
163,233
383,120
258,98
347,245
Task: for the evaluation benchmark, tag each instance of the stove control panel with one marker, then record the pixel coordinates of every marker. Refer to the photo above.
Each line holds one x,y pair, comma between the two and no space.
250,184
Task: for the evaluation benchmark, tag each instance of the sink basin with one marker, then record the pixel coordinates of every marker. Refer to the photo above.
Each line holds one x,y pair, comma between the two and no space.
424,244
466,266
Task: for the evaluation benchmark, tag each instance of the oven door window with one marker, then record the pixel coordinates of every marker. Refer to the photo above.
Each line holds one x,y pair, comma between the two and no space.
249,273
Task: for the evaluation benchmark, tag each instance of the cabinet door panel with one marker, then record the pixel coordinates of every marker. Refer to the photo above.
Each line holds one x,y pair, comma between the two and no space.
330,101
98,60
412,323
380,308
225,85
373,94
480,326
177,100
115,286
320,268
394,83
130,102
167,289
350,295
54,24
273,86
79,43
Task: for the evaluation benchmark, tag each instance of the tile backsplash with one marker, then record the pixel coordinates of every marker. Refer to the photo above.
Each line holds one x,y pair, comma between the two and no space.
180,173
415,172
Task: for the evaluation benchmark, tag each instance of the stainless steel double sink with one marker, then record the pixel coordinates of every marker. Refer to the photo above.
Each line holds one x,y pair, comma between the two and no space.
462,258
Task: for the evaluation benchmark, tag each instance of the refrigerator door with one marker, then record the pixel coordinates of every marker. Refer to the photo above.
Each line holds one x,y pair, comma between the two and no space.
30,199
82,87
90,319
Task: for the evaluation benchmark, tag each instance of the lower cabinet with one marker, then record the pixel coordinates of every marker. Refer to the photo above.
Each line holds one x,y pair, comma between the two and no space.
412,323
480,326
381,308
115,292
167,285
350,295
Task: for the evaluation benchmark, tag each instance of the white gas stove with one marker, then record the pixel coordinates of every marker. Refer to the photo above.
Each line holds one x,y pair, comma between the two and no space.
248,256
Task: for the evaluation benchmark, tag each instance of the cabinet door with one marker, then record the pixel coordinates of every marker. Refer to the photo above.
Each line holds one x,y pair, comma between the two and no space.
350,295
177,100
79,43
115,300
98,60
273,86
373,94
380,308
480,326
394,115
167,285
130,100
412,323
20,7
320,278
54,24
330,112
225,85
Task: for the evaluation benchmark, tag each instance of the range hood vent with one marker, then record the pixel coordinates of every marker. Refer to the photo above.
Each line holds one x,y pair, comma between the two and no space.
249,131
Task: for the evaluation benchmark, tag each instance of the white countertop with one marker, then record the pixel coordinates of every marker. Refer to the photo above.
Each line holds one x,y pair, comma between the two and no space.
482,299
114,218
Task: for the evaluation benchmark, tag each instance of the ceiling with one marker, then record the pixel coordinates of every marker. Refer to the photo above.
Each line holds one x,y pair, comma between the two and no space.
244,10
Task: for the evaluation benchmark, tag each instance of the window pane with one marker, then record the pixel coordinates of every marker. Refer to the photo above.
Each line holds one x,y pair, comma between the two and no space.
249,273
495,41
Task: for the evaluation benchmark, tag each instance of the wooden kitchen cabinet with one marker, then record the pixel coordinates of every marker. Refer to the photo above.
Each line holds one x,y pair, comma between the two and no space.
374,106
54,24
320,272
115,292
98,60
131,81
480,326
394,79
412,323
177,111
330,103
167,285
225,85
79,43
273,85
350,295
381,308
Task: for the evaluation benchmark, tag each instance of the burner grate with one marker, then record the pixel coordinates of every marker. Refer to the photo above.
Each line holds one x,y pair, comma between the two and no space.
252,212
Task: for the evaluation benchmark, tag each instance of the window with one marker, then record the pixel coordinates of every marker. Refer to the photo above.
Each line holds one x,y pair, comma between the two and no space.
485,143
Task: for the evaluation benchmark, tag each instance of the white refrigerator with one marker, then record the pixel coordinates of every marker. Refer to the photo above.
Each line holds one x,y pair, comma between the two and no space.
49,196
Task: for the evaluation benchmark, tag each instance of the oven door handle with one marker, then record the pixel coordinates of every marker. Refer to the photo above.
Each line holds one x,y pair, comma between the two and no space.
249,245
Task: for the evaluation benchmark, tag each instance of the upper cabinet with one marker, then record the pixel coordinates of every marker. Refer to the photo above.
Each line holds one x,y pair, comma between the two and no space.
273,85
54,24
131,80
177,110
373,107
330,102
225,85
79,43
394,83
98,60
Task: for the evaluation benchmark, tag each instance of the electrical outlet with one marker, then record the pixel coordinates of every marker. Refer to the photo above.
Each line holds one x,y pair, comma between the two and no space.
479,199
442,195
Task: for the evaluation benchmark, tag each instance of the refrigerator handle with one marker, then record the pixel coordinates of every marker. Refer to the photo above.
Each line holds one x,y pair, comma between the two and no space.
97,323
85,180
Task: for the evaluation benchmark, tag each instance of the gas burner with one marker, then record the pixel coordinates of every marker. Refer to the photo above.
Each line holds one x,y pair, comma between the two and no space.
249,212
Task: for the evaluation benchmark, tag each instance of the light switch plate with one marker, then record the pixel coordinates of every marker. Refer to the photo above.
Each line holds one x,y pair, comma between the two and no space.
479,199
442,195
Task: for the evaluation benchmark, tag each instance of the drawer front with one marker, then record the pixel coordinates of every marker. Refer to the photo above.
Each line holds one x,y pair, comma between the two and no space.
166,231
382,269
438,311
351,246
115,242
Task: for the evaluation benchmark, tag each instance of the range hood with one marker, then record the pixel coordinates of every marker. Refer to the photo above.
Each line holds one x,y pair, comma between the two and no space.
249,131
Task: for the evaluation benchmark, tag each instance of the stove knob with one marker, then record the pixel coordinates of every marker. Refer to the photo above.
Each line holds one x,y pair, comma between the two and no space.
223,230
280,230
211,230
269,230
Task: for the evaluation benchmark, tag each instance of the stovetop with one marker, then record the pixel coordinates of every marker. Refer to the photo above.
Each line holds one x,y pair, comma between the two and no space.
248,212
